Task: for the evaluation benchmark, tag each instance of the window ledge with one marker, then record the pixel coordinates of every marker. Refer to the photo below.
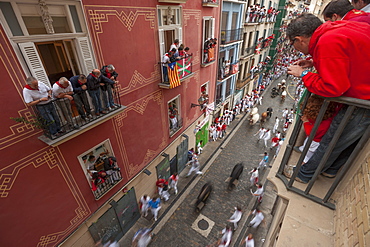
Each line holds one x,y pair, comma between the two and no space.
82,129
213,5
207,64
172,1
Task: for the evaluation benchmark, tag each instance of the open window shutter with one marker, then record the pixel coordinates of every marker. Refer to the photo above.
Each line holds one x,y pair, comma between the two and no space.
179,34
204,30
34,63
161,42
212,27
86,55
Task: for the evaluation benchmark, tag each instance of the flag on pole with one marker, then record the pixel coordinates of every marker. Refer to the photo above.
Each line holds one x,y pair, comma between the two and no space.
173,75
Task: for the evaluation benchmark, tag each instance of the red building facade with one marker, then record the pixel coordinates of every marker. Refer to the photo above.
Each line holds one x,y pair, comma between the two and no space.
46,196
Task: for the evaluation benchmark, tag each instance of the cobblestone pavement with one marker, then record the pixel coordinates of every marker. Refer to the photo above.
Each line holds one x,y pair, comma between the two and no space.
184,227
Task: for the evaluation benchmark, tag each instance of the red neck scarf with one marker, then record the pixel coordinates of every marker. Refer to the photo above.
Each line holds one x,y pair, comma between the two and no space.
60,85
80,82
30,88
93,75
109,75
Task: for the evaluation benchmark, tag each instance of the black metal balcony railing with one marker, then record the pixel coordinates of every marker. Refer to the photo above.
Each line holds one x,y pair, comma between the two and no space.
210,3
228,70
228,36
256,17
322,194
61,116
249,51
109,182
175,127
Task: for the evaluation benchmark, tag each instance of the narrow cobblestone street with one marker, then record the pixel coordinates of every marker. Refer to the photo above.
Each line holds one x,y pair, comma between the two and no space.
185,227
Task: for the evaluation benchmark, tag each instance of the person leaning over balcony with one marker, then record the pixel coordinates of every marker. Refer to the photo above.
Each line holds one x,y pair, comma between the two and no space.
63,91
342,70
111,168
175,44
80,97
37,94
337,10
165,61
363,5
110,72
94,81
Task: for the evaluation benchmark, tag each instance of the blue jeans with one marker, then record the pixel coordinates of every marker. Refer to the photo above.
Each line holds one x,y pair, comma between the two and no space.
95,96
82,104
107,97
353,131
49,113
165,73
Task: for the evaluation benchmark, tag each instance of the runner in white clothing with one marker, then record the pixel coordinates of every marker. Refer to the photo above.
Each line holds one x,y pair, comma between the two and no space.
249,241
235,218
257,219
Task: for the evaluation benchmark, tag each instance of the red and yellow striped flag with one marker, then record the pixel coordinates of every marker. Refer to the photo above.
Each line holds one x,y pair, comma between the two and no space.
173,75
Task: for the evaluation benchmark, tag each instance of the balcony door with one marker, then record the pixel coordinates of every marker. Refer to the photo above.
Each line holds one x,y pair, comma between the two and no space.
58,58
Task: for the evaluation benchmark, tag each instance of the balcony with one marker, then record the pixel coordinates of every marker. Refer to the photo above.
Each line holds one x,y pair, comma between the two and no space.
210,3
62,115
229,36
256,18
102,186
319,188
175,127
172,1
228,70
248,52
175,72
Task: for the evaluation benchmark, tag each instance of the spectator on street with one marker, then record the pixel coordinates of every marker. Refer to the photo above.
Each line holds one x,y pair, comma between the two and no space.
155,206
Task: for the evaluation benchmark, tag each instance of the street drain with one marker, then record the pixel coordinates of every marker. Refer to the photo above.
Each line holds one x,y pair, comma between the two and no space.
203,225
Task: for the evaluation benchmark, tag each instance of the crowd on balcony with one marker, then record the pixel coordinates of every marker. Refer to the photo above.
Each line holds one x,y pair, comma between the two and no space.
263,43
227,68
341,73
54,105
258,14
176,54
209,50
259,67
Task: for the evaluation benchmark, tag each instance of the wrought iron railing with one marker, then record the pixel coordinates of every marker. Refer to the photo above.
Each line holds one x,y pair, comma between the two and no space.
61,116
175,127
210,1
249,51
228,36
228,70
350,105
109,182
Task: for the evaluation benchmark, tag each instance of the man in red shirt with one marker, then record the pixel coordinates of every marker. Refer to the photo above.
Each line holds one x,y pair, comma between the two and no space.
340,52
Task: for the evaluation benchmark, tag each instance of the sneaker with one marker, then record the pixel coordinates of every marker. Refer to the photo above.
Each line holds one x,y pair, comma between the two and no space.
109,109
328,175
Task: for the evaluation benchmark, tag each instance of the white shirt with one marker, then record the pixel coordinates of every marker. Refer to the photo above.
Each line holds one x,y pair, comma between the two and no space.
249,242
236,216
366,8
58,89
174,46
165,59
32,95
